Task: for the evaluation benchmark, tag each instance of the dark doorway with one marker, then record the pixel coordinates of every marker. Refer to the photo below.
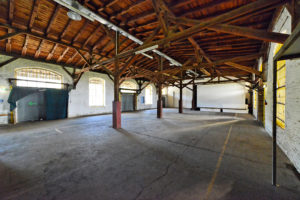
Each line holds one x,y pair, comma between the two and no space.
164,101
128,102
35,104
31,108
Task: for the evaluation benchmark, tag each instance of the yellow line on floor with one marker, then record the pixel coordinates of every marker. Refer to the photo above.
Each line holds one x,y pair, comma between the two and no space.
212,181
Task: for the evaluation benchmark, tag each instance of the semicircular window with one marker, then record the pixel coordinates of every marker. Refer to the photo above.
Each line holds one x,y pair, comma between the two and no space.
128,87
38,77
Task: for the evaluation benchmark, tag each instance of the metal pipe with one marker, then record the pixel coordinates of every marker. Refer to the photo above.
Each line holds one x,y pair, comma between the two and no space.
274,133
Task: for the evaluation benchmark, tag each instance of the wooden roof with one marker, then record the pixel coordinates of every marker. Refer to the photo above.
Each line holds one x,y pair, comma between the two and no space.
41,30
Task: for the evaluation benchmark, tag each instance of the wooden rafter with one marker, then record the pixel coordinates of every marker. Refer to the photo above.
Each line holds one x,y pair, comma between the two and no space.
250,33
209,41
63,54
98,29
38,51
34,13
49,56
161,16
86,23
197,28
244,68
58,7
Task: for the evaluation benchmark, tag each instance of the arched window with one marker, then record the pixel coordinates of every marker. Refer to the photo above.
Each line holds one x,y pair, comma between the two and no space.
128,87
148,94
38,77
96,92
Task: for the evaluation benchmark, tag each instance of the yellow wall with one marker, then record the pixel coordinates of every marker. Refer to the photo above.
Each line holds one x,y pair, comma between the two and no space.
281,76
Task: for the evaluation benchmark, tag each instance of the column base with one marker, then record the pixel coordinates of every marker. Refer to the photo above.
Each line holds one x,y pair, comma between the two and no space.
180,107
159,109
116,114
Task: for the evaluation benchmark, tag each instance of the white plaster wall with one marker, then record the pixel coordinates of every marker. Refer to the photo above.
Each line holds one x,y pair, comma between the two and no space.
78,98
229,95
143,106
173,97
288,139
8,71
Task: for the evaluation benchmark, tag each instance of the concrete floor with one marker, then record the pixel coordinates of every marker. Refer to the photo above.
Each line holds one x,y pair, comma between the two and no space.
195,155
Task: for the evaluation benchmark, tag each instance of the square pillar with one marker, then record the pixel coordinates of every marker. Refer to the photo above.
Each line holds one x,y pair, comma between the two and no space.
194,99
159,102
180,108
116,114
116,103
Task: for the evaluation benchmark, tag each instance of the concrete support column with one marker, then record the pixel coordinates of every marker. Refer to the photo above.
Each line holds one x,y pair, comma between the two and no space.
159,102
194,99
116,102
180,97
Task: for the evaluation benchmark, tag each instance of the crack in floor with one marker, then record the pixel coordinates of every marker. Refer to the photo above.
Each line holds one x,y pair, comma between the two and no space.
166,171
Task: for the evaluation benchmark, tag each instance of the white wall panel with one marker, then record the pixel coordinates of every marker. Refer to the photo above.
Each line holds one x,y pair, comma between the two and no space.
231,95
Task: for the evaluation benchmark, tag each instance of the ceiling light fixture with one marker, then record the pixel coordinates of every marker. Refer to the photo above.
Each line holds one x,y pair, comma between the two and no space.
73,15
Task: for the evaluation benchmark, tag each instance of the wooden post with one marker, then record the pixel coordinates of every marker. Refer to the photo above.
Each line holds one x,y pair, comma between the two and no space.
159,100
180,96
116,102
194,100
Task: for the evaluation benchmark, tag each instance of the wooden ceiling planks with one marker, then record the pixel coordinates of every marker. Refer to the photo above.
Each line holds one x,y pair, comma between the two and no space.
47,18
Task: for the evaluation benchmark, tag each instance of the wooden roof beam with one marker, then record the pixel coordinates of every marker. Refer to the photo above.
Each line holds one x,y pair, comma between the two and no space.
91,35
34,59
161,16
18,31
11,11
99,41
58,7
110,3
65,29
244,68
219,62
194,44
250,33
24,49
63,54
33,13
86,23
131,7
9,35
49,56
38,51
72,57
150,13
198,27
10,19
